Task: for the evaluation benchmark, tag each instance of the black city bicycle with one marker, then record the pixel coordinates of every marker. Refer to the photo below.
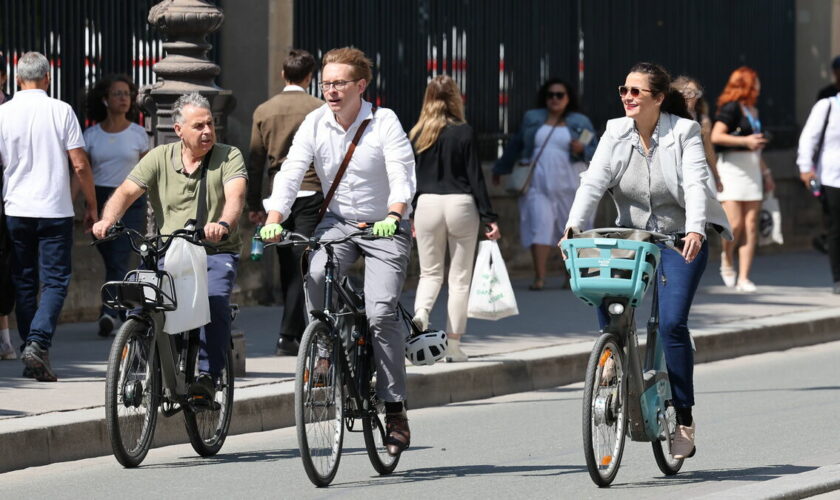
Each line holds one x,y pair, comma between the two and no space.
613,268
150,369
334,380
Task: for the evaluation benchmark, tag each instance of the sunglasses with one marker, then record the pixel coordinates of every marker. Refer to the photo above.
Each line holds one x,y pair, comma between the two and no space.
555,95
634,91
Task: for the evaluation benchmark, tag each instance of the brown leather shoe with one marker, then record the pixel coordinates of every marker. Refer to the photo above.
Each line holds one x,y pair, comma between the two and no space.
399,436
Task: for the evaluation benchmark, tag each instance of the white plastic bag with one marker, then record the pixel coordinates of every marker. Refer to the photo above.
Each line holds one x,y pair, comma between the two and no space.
770,221
491,296
187,263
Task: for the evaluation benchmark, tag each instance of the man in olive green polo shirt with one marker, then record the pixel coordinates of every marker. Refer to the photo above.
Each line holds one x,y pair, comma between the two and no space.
170,174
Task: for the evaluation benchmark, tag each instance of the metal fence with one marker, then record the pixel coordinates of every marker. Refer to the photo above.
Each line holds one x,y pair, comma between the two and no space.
500,50
497,51
83,39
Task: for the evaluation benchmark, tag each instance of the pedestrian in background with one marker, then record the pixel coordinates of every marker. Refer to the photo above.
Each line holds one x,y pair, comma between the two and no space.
115,144
832,89
550,137
274,126
653,162
738,139
450,204
7,350
818,159
698,109
37,135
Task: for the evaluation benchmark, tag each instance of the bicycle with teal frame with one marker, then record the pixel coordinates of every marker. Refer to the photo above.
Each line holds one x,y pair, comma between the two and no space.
624,393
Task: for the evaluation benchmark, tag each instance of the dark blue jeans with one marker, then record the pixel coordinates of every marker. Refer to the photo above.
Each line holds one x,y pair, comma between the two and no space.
678,283
40,261
116,254
215,336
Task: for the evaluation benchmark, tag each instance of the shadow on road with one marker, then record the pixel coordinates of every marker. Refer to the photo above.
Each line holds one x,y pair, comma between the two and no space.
753,474
435,473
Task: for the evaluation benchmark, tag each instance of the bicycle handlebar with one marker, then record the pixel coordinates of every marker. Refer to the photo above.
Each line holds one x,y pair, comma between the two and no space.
290,238
194,236
670,240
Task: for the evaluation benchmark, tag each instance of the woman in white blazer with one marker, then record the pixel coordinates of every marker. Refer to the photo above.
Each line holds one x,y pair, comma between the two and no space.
654,165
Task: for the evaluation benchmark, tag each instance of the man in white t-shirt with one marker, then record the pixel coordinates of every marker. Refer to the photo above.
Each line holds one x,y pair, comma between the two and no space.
38,135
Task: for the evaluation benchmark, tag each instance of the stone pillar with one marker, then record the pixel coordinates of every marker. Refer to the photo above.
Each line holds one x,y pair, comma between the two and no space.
184,25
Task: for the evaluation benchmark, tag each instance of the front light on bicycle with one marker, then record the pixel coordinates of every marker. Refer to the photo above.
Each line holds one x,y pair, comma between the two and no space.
616,308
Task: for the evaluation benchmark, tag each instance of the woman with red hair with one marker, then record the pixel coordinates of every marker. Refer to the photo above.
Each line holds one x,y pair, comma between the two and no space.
739,139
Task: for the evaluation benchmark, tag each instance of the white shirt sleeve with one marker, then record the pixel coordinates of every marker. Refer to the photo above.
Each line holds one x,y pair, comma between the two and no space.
287,181
810,136
142,138
399,160
73,137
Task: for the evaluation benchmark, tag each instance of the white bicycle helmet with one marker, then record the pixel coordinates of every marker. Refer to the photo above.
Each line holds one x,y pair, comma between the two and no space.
426,348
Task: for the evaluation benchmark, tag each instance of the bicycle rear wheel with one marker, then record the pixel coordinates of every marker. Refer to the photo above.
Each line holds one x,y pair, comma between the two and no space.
319,397
662,447
604,415
208,427
132,392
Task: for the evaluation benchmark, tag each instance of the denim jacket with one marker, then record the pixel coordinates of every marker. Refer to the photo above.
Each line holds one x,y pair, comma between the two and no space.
521,145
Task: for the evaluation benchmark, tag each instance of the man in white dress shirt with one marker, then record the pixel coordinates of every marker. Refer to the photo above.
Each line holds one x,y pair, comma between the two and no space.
818,159
377,189
40,139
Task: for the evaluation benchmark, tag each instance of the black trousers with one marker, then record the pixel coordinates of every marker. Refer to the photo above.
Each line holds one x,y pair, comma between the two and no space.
303,219
832,199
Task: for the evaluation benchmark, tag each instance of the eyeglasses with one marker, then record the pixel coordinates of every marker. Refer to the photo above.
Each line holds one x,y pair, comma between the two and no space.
634,91
338,85
692,94
120,93
555,95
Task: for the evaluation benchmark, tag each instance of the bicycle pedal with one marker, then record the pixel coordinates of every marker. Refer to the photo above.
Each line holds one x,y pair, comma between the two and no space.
202,403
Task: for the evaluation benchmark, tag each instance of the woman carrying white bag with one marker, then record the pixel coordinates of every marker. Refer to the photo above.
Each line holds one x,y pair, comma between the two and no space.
450,204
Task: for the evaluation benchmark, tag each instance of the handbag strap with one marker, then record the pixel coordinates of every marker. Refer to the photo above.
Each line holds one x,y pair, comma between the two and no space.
539,153
819,147
343,167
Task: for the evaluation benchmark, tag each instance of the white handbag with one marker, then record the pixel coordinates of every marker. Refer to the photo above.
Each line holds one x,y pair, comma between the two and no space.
770,221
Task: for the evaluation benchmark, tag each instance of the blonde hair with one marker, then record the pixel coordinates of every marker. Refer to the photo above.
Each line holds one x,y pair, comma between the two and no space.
442,106
353,57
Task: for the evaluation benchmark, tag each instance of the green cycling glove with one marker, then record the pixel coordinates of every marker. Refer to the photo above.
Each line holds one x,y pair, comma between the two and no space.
385,228
271,231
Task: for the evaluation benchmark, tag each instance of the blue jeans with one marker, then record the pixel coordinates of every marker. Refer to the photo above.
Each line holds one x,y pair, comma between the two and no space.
116,254
215,336
40,260
678,283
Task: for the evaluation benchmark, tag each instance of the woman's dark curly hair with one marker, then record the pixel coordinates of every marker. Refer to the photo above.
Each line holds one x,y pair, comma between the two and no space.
96,110
571,92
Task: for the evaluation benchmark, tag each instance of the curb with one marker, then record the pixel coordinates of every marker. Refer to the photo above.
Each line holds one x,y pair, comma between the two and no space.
73,435
796,486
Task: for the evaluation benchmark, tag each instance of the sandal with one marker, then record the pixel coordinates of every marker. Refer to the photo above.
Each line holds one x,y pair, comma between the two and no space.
728,275
537,285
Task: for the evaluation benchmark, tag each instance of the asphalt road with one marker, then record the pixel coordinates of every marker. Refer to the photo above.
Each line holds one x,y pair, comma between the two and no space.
758,417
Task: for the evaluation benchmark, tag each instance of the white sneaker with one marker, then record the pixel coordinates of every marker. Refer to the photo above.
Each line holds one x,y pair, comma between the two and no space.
454,354
7,351
421,320
745,286
683,444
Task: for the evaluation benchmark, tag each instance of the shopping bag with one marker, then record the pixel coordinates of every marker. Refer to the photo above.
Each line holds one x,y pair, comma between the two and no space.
491,296
187,263
519,179
770,221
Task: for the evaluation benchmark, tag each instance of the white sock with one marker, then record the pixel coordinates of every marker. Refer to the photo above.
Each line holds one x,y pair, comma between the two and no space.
4,336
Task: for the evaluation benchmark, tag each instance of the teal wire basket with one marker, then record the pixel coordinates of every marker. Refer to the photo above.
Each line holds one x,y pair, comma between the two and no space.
607,267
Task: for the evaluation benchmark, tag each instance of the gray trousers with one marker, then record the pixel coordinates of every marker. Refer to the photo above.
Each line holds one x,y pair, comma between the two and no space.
386,262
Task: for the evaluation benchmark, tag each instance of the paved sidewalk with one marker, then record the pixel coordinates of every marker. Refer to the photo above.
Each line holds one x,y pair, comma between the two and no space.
545,345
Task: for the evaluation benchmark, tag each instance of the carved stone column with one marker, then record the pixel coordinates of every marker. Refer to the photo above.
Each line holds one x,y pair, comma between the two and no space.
184,25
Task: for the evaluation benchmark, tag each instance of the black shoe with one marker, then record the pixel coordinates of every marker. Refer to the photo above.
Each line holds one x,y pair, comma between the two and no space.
287,347
28,373
106,325
37,359
203,393
819,244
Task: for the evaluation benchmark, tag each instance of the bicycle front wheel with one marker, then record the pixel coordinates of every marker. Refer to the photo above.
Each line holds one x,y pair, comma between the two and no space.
132,392
662,446
208,427
604,405
373,428
319,398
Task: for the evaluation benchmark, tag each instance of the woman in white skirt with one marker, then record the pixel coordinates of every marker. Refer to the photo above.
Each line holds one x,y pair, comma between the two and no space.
738,139
557,140
450,203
